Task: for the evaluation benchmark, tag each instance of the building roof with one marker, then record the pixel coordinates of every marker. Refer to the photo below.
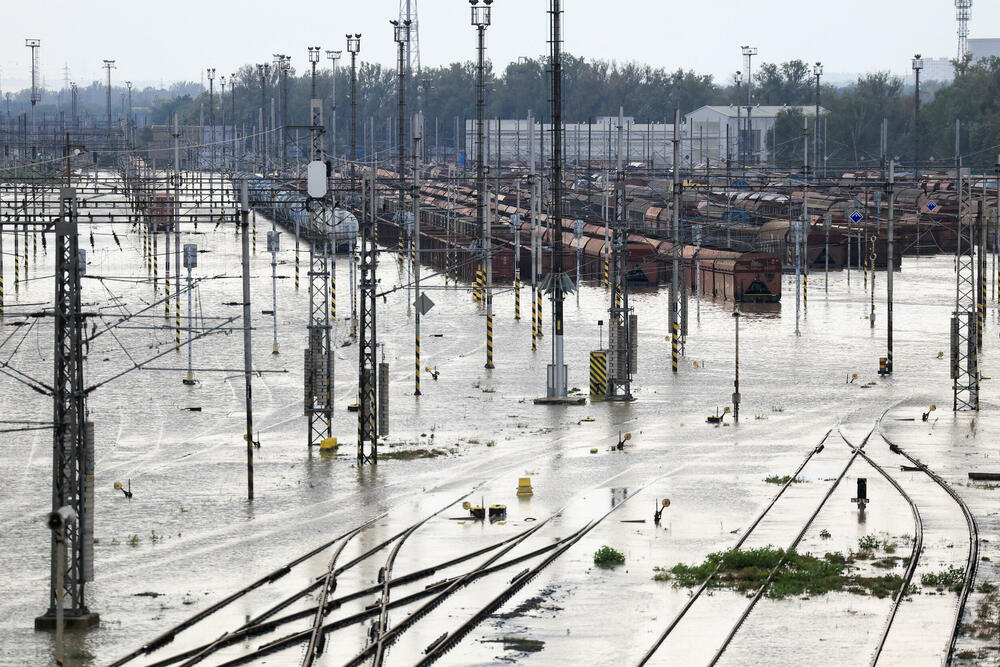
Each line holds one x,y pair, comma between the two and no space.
759,111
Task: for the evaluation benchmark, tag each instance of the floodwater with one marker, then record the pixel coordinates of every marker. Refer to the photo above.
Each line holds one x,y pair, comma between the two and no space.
188,537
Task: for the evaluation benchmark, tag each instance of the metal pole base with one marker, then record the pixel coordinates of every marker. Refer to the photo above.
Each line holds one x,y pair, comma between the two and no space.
47,621
189,380
274,349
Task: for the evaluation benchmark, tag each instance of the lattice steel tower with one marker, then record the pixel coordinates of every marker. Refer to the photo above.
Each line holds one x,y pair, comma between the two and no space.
408,13
963,12
318,355
964,343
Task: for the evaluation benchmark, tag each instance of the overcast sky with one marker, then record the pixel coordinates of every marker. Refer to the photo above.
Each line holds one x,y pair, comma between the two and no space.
176,40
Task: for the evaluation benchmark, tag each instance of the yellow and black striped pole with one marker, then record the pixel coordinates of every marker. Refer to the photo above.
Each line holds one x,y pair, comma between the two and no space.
534,322
480,280
177,323
416,365
618,296
607,270
166,291
253,233
156,267
17,265
982,306
296,269
805,291
675,335
1,294
598,375
517,298
541,333
361,423
333,290
34,243
489,340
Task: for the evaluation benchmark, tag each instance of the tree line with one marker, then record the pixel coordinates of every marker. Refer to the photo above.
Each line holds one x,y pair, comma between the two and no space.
592,88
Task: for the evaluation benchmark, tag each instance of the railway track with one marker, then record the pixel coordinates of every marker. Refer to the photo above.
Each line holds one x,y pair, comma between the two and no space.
449,640
739,543
314,638
972,560
858,451
168,636
794,543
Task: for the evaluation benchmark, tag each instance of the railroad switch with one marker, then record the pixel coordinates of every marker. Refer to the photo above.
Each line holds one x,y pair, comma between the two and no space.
665,503
862,499
622,439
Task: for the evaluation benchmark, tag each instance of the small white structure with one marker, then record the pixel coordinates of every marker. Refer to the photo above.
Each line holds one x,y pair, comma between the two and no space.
707,136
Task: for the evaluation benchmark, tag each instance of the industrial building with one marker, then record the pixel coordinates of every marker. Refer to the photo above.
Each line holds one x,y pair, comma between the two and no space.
716,132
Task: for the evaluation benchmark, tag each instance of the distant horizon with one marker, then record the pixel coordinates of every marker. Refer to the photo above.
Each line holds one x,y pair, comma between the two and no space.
837,79
178,49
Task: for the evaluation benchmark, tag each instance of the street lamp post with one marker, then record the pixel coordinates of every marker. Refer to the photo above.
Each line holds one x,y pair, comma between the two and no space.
313,60
481,18
401,35
334,57
354,48
128,120
739,121
917,64
263,70
749,52
222,109
817,72
736,377
211,124
232,99
109,65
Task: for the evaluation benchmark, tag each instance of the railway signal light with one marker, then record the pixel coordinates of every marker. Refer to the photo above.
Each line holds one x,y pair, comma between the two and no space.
862,498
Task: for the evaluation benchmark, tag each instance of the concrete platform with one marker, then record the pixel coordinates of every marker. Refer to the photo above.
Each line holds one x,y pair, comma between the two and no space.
74,622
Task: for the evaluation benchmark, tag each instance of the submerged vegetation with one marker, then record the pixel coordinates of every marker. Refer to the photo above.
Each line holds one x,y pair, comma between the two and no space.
795,574
523,644
782,479
410,454
953,579
608,557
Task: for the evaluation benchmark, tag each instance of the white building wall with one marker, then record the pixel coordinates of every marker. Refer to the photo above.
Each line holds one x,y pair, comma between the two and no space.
649,144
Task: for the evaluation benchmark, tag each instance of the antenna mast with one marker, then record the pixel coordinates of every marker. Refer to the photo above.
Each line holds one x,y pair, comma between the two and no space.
963,11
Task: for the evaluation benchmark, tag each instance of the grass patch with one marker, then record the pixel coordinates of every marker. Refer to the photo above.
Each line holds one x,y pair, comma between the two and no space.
781,479
987,623
410,454
797,574
81,654
824,534
952,579
133,540
987,587
608,557
886,563
868,543
523,644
